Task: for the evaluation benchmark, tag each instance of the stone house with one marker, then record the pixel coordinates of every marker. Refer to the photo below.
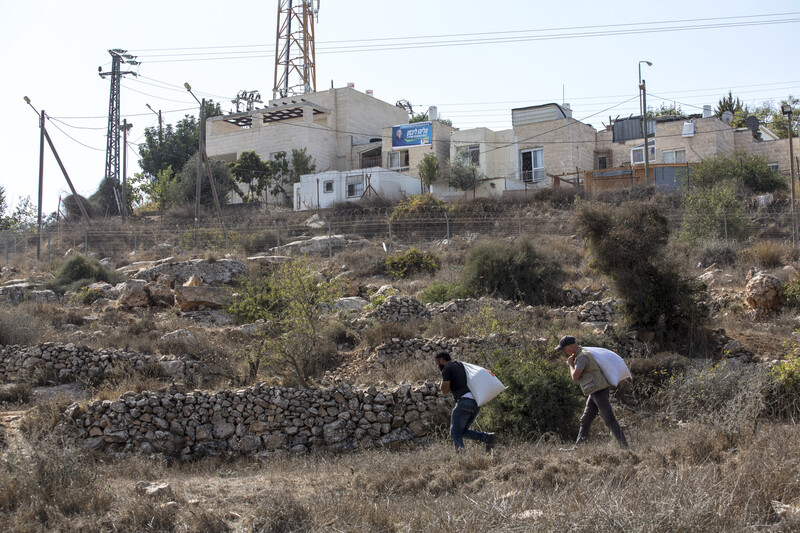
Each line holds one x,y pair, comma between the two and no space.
339,128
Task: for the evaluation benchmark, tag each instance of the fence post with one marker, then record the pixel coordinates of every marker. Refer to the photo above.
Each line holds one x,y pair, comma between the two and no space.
15,244
225,231
278,232
135,240
519,227
391,249
6,250
86,243
48,246
447,220
330,238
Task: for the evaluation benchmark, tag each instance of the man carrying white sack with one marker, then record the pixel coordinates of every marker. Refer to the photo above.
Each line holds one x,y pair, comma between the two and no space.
454,380
594,384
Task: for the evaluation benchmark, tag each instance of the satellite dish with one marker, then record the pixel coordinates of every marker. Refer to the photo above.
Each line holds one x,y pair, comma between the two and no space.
752,123
727,117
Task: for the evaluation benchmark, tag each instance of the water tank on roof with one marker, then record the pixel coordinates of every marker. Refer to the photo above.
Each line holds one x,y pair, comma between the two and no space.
433,113
707,111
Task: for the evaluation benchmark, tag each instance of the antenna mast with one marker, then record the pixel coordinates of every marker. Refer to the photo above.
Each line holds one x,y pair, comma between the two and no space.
112,141
295,69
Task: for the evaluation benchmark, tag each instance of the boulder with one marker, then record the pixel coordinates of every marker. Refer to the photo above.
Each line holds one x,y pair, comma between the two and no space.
315,244
42,296
160,294
352,303
201,298
763,292
217,272
132,293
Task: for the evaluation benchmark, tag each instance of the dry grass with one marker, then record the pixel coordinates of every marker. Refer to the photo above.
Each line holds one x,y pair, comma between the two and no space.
677,479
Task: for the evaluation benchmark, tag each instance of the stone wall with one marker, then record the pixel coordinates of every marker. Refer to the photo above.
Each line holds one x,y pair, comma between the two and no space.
260,420
466,348
71,362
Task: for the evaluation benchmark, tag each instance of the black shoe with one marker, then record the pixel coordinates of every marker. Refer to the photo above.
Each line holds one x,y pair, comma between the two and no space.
489,442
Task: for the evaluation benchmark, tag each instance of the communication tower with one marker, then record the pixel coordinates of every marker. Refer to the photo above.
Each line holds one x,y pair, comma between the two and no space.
295,69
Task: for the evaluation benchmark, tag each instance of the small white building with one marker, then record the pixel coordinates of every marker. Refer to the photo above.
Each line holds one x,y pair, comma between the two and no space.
321,190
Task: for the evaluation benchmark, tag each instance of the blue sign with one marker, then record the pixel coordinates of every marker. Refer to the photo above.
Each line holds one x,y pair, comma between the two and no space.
417,134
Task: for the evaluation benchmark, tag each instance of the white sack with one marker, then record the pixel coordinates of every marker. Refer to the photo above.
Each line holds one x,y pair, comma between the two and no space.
611,365
481,383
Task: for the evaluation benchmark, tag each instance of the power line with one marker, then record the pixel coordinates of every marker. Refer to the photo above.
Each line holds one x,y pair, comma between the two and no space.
74,139
437,42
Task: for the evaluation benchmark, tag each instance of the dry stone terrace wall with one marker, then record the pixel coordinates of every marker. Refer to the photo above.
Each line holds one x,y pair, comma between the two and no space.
260,420
467,348
71,362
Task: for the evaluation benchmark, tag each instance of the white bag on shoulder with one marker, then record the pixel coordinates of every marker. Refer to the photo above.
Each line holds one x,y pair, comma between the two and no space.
482,383
611,365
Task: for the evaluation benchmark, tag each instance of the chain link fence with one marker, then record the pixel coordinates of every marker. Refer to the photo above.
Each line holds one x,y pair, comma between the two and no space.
275,233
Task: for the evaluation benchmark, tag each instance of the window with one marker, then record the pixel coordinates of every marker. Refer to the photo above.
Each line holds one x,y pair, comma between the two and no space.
398,159
674,156
637,153
471,154
775,167
602,162
327,186
532,165
355,187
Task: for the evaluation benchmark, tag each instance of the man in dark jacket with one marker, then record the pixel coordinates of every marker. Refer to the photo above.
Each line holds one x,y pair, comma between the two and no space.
454,379
583,369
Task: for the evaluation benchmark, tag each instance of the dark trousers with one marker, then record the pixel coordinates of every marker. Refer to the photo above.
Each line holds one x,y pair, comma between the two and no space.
464,413
598,403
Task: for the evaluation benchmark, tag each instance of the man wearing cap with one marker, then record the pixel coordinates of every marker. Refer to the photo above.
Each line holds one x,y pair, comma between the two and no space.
584,369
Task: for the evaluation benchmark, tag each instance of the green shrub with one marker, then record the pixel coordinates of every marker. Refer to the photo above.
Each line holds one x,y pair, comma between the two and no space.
628,244
418,205
791,293
540,398
80,271
514,272
714,213
403,264
438,292
785,398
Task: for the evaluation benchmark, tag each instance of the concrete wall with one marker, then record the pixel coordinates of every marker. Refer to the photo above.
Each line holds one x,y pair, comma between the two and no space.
568,145
386,183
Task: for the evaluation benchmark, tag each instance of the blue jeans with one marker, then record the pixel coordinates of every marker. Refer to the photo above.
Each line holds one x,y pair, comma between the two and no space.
464,413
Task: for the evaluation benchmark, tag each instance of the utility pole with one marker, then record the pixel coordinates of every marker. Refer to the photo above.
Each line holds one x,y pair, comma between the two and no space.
160,139
46,136
787,110
294,48
112,140
202,157
646,151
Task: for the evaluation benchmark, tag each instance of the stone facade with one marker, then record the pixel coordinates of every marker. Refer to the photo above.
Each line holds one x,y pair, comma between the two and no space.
70,362
260,420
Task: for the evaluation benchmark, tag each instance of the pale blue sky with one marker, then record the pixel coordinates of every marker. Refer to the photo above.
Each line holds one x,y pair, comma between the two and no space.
51,51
